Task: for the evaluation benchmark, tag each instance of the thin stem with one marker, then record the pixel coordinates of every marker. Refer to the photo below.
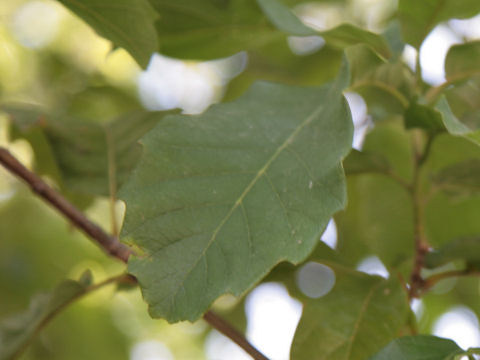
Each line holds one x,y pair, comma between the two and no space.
434,279
399,180
426,152
390,89
218,323
118,279
109,243
421,243
418,70
112,179
434,93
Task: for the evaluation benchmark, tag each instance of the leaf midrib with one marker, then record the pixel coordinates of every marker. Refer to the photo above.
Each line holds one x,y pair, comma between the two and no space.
363,310
240,199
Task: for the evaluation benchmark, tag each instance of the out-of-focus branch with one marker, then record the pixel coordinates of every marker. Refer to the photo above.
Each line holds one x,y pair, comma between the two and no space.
109,243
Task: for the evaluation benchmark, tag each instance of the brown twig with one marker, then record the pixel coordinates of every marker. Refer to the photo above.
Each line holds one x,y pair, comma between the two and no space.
432,280
222,326
110,244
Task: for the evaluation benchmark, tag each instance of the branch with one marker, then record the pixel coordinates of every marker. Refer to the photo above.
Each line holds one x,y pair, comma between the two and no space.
108,243
434,279
225,328
123,278
421,244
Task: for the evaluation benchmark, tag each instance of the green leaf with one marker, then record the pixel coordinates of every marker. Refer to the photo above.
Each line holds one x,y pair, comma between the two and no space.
420,347
220,198
206,29
127,23
287,273
464,101
360,315
370,226
346,35
393,36
424,117
341,36
387,88
448,217
88,157
467,249
284,19
418,18
17,332
461,178
360,162
462,61
453,125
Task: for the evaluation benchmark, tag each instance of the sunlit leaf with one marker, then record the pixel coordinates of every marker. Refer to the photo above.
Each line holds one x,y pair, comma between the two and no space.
418,18
361,314
220,198
127,23
17,331
420,347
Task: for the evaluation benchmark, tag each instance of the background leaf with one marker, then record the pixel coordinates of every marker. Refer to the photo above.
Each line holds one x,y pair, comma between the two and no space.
204,29
418,18
220,198
386,87
467,249
462,61
127,23
346,35
376,201
341,36
360,162
424,117
83,152
17,331
460,178
285,20
354,320
453,125
420,347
